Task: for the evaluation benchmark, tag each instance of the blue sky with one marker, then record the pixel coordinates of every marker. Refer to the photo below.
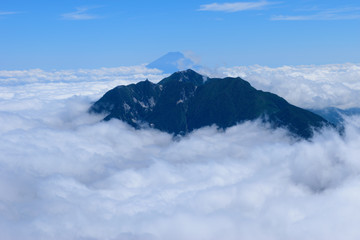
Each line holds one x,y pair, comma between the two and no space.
107,33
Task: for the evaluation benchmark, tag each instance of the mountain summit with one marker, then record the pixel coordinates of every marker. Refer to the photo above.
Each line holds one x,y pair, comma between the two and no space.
186,101
172,62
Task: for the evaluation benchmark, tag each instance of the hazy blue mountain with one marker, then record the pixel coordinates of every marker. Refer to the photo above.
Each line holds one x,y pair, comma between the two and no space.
336,115
187,100
172,62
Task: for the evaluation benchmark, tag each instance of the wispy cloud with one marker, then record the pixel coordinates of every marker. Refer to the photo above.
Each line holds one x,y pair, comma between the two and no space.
235,7
81,13
7,13
330,14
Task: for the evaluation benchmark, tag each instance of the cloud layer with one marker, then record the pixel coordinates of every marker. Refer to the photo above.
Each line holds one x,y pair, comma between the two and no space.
335,85
308,86
134,73
66,175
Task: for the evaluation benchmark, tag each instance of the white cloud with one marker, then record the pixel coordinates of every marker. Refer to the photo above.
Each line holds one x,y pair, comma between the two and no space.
332,14
34,88
307,86
235,7
7,13
131,73
108,181
193,57
66,175
81,13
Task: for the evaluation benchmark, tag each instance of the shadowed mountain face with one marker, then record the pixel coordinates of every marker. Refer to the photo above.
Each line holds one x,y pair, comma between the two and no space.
187,100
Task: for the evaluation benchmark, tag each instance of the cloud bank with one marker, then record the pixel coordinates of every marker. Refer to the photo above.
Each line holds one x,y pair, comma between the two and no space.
310,86
131,73
66,175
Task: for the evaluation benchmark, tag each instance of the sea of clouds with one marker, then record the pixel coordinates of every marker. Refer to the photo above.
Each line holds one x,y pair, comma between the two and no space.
310,86
64,174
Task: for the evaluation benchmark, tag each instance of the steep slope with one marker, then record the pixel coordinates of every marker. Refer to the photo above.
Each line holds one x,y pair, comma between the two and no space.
132,103
187,100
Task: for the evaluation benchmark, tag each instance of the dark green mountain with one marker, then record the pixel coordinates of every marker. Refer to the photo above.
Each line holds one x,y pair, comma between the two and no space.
187,100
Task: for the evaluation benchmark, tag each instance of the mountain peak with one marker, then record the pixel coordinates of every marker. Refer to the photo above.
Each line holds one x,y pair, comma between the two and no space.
184,102
188,75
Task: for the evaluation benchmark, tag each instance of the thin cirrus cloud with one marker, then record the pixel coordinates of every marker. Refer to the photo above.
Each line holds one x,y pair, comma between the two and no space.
235,7
331,14
2,13
81,13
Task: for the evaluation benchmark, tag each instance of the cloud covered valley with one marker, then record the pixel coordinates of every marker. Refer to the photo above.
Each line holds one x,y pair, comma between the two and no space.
64,174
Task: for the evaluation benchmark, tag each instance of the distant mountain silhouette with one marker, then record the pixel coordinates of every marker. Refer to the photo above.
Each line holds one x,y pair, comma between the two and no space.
186,101
172,62
336,115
